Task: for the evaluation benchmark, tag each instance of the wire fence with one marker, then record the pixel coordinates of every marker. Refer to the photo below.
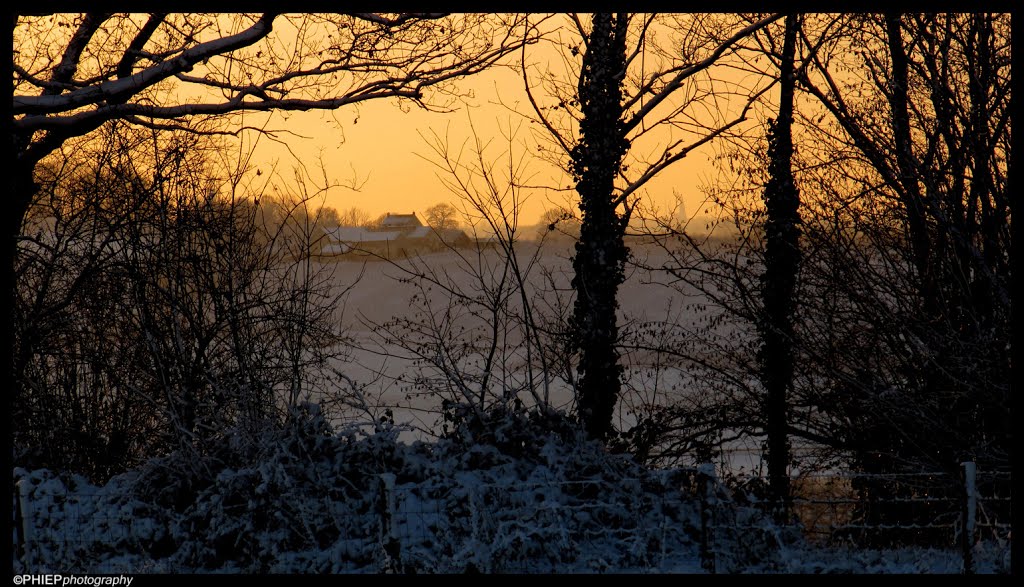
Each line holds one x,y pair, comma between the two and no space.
939,511
701,523
595,525
564,526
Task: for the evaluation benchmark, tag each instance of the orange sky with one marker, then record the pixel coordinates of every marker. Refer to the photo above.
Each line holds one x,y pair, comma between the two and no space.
378,145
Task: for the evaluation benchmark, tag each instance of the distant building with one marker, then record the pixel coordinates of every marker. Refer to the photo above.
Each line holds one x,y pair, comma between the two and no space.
400,221
399,235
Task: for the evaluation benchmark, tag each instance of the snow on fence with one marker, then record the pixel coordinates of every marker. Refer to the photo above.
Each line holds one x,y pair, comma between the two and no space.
57,529
938,511
556,526
429,526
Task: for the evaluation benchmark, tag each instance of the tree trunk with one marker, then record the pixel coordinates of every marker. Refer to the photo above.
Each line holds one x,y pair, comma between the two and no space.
600,252
782,262
908,173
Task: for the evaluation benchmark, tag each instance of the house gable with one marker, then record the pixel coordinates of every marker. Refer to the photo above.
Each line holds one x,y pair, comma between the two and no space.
400,221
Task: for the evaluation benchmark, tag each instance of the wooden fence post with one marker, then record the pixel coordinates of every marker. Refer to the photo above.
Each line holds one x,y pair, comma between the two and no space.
19,521
706,489
969,512
388,536
24,522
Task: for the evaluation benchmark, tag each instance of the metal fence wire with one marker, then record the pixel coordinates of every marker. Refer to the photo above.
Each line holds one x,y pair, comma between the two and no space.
933,510
700,524
543,527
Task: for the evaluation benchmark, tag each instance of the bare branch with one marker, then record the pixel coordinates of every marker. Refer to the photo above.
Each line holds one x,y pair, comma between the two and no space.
64,72
134,51
536,107
401,19
669,158
689,71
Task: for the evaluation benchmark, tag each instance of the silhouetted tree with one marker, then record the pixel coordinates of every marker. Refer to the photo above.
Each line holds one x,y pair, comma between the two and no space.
478,338
161,308
600,257
940,217
920,375
900,316
782,261
613,99
442,216
354,216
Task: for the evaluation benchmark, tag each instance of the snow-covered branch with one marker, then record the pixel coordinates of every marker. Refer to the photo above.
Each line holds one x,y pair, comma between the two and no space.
123,88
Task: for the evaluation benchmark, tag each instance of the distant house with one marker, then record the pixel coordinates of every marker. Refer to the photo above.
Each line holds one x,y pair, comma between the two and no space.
399,235
400,221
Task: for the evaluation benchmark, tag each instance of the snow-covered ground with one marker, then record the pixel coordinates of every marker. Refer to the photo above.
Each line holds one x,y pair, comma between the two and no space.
380,292
527,496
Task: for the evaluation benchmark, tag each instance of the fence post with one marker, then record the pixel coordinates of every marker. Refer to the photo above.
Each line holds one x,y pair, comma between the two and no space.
969,511
27,529
664,535
706,489
388,536
19,521
474,517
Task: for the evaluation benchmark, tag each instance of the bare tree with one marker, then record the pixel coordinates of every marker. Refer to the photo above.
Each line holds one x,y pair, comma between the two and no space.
143,68
934,187
162,307
442,216
478,337
893,370
354,216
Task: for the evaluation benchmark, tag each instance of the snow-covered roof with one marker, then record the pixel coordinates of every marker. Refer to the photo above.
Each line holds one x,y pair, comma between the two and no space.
419,232
358,234
400,220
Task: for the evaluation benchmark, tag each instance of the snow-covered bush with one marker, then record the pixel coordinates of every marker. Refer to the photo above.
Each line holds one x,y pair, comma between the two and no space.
517,491
513,491
75,526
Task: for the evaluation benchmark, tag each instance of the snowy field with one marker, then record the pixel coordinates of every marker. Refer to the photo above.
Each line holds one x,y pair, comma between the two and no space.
380,291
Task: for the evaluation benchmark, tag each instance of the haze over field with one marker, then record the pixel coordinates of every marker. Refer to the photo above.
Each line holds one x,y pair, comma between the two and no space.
380,291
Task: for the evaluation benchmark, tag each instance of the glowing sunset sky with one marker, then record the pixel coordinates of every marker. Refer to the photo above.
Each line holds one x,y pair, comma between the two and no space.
379,145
